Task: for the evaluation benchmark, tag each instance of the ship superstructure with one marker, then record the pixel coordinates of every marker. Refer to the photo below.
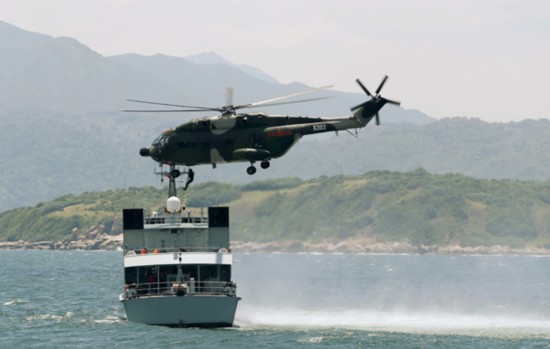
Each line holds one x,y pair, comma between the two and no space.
177,267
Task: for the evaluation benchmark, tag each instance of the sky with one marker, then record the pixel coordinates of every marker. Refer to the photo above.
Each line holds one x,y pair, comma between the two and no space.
488,59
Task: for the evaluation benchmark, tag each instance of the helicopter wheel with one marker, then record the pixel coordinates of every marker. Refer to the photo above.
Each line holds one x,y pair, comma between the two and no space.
251,170
175,173
265,164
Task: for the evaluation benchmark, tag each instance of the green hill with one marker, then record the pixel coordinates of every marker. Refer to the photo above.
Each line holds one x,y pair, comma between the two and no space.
381,206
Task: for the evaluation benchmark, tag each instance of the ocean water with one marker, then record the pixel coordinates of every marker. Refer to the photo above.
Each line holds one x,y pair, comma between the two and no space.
67,299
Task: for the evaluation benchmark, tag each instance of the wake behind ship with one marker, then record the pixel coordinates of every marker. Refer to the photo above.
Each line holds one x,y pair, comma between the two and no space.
177,268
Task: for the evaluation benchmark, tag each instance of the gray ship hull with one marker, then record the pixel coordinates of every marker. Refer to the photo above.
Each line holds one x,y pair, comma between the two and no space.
185,311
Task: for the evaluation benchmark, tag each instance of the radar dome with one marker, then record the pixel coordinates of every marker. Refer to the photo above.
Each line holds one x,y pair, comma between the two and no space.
173,204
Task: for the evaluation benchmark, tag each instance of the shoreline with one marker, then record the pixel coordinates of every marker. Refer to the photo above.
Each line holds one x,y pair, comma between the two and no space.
107,242
387,248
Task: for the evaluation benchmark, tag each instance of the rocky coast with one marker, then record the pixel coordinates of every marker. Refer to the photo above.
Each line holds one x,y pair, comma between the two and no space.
103,241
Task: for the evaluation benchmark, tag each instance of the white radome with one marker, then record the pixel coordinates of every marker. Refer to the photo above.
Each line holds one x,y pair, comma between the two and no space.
173,204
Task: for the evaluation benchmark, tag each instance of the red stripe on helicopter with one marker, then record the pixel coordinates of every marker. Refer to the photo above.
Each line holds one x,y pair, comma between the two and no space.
280,133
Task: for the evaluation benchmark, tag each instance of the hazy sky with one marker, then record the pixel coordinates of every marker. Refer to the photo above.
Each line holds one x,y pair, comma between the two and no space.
485,59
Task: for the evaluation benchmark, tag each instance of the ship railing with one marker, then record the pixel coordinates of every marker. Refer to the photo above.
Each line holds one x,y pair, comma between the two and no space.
185,288
145,251
152,220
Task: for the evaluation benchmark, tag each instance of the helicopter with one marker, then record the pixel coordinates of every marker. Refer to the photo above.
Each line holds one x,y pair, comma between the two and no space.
248,137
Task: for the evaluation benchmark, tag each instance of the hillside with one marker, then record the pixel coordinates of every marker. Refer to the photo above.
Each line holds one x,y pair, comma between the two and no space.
417,208
517,150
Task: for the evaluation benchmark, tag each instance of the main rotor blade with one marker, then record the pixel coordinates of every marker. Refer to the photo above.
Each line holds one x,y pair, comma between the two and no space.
172,105
229,101
290,102
229,96
381,85
363,87
169,110
392,101
266,101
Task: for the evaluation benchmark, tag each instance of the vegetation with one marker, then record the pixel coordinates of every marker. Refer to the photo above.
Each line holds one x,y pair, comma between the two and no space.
418,207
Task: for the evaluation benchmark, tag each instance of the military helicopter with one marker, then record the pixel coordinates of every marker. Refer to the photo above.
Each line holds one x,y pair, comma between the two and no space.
248,137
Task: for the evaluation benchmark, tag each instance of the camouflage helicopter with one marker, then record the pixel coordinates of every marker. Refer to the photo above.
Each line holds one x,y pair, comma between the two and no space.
248,137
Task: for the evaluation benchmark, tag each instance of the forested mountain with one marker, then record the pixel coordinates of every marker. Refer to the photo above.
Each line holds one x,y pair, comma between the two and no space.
381,206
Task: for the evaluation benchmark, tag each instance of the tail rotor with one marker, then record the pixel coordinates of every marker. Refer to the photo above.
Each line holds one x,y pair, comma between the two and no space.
376,97
381,85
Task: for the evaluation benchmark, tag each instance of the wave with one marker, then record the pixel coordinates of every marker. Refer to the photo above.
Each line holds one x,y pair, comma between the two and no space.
45,317
56,317
109,320
493,326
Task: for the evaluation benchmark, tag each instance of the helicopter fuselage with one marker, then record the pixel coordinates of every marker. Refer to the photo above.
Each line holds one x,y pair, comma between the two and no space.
242,137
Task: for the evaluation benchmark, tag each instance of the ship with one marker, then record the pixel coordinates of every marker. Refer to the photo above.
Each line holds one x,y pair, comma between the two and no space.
177,267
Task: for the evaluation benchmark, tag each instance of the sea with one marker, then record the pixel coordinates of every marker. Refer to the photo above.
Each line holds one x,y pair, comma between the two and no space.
69,299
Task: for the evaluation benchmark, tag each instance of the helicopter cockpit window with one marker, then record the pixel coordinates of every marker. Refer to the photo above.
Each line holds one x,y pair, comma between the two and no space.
157,140
162,139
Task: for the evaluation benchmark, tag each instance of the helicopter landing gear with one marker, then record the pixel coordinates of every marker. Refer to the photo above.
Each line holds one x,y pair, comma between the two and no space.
251,169
175,173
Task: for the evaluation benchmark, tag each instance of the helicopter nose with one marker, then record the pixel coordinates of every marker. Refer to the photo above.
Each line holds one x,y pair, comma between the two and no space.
153,151
145,152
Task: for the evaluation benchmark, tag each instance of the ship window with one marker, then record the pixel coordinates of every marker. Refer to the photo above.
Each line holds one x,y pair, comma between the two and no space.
130,276
169,273
190,271
208,273
159,279
225,273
